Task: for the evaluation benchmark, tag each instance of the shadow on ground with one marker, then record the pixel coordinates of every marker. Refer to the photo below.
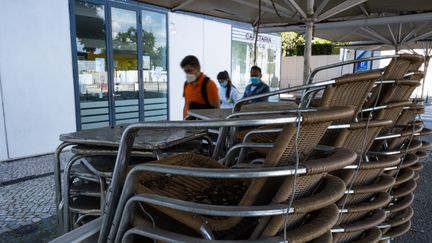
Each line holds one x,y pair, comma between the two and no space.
42,231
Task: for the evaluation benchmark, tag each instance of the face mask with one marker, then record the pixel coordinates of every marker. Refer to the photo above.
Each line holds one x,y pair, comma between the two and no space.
190,78
255,80
223,84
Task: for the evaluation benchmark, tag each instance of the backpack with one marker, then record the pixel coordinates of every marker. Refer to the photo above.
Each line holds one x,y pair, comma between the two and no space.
197,106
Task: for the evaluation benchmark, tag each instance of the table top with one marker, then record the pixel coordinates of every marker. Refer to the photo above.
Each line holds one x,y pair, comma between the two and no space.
147,139
216,114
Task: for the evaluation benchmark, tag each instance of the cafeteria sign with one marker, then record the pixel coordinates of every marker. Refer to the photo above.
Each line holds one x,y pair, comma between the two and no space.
251,36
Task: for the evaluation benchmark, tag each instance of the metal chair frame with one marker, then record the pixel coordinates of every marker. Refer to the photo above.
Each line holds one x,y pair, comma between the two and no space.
127,141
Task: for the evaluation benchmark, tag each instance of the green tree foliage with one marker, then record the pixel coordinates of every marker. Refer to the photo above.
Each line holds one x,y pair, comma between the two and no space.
157,54
293,45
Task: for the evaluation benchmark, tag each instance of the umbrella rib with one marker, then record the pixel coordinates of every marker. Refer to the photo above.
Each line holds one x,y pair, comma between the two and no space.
427,34
345,5
281,8
182,5
255,6
370,37
377,35
296,7
400,32
391,33
321,8
413,30
364,9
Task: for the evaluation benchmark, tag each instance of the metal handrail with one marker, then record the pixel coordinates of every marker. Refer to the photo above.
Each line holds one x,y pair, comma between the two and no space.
339,64
238,104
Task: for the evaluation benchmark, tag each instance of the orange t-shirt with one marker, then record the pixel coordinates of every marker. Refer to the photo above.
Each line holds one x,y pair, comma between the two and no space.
192,91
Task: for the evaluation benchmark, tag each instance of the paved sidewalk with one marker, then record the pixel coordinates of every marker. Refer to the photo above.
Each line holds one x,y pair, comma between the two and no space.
27,207
27,196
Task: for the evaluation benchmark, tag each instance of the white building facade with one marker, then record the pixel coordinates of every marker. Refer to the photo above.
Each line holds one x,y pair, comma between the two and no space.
67,65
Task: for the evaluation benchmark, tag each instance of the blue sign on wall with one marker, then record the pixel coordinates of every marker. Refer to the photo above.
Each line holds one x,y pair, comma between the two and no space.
365,65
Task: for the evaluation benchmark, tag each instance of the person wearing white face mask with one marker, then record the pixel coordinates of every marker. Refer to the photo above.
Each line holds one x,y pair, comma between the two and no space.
228,94
199,91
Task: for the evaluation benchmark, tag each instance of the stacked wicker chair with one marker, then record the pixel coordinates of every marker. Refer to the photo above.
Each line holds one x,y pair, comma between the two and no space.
411,150
361,207
400,139
312,214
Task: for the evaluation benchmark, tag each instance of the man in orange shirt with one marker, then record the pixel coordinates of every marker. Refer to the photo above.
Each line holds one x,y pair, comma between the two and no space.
199,91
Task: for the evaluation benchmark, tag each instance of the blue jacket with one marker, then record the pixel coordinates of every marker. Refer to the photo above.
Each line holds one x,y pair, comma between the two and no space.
261,88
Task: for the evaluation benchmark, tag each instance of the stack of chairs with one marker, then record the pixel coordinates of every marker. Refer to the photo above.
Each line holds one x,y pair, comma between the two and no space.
367,184
399,139
313,193
341,168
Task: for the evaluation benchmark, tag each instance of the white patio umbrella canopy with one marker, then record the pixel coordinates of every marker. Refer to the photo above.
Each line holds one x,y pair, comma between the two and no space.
391,23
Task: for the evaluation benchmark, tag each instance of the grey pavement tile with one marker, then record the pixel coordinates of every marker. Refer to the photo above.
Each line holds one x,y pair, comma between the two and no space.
26,202
13,170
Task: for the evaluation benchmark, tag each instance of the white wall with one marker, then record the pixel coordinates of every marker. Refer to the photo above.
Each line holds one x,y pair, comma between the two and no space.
3,144
208,40
36,74
217,48
292,69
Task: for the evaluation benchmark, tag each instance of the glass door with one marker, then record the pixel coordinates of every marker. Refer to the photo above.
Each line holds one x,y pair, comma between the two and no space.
125,83
91,65
154,65
122,70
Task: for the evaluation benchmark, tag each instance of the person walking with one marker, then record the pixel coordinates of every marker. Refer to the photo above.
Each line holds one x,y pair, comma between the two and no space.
199,91
228,94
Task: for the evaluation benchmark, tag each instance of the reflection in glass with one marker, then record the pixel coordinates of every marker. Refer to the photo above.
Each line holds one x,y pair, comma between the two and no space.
124,44
155,75
91,57
242,60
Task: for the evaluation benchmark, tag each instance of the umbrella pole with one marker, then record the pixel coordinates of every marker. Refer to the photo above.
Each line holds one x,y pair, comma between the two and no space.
308,40
426,67
307,50
427,50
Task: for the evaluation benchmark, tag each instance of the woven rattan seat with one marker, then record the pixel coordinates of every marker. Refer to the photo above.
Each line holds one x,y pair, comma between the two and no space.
312,192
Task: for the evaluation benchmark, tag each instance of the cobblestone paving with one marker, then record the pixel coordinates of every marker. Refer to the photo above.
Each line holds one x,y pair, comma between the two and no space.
27,199
13,170
26,202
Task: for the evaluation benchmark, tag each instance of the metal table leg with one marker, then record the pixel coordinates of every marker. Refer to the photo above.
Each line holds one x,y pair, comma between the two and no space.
57,179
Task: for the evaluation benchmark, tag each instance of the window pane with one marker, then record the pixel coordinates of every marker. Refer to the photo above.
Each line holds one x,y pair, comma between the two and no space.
126,86
92,71
155,75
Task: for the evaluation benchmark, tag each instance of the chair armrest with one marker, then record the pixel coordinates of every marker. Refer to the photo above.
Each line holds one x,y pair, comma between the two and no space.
213,210
161,235
383,184
227,173
373,220
229,157
239,103
333,191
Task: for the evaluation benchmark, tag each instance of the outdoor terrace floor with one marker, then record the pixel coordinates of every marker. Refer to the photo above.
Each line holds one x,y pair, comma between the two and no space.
27,201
